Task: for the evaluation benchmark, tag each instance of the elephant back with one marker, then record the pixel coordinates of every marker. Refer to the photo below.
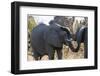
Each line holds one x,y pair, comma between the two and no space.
37,36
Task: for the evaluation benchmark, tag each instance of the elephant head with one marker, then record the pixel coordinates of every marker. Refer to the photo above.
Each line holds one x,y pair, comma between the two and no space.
81,36
62,36
68,38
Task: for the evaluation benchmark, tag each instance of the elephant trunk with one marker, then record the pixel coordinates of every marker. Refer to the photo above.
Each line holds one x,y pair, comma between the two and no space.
71,45
76,49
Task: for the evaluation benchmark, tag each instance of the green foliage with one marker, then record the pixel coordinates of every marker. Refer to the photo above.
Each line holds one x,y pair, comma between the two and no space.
31,23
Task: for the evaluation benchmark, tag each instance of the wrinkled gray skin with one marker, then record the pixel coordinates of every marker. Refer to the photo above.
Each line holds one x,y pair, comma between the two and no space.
81,37
46,39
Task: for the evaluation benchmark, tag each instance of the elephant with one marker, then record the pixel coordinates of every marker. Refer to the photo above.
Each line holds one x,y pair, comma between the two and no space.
46,39
81,37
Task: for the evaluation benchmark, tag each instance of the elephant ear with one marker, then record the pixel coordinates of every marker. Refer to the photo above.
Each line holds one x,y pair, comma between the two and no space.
80,32
52,38
67,30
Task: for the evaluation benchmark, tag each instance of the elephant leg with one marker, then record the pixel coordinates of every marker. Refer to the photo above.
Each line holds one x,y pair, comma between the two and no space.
35,55
59,53
51,52
85,50
36,58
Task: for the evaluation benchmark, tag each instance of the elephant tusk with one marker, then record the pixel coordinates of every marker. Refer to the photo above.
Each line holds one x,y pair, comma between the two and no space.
69,39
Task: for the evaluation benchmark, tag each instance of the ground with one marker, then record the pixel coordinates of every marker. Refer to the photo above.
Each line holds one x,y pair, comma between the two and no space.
67,53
